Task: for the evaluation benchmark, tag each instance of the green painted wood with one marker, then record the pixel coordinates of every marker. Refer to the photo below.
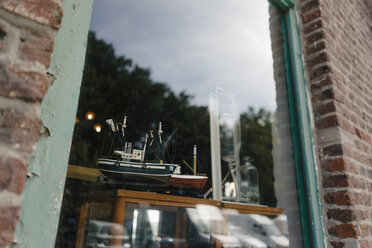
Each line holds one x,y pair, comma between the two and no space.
283,5
296,144
43,192
305,131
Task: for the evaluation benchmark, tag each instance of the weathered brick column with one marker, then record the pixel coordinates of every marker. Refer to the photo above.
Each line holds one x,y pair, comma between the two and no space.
27,30
337,43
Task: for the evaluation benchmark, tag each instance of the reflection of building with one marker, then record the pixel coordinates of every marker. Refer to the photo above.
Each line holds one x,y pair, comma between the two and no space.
143,219
262,228
329,104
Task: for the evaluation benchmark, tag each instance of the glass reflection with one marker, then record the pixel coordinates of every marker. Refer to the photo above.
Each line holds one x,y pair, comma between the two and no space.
103,233
150,230
153,226
114,86
249,183
256,231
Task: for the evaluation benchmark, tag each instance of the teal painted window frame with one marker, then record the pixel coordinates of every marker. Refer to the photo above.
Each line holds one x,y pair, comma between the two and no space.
310,207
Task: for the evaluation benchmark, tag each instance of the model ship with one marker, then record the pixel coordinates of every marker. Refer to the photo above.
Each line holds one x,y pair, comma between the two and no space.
188,181
130,165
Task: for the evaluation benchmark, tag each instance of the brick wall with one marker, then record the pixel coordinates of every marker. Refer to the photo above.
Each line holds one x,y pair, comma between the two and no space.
27,30
337,52
337,43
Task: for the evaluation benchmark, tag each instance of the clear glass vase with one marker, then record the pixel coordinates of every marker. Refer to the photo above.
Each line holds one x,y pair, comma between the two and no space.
249,189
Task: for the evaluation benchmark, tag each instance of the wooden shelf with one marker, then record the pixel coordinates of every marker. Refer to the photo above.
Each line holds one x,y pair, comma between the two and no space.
172,200
83,173
90,174
112,205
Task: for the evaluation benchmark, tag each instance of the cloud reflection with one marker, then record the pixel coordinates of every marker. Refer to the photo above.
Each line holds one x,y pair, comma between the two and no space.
195,45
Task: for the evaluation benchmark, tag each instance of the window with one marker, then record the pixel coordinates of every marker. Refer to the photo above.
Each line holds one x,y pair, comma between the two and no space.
169,138
85,175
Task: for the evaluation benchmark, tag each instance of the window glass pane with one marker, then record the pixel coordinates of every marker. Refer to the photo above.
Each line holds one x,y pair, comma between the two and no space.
152,225
178,107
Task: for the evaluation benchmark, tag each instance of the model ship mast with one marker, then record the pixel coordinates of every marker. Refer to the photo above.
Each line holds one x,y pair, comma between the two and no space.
189,181
128,152
194,155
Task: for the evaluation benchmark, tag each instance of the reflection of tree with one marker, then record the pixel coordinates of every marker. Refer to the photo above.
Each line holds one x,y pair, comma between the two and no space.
112,87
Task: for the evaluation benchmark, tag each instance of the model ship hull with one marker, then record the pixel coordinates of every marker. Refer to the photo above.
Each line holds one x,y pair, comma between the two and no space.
188,181
129,172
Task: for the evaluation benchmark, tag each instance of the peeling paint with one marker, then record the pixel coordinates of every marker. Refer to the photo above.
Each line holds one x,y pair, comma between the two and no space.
32,174
42,196
44,131
19,244
51,78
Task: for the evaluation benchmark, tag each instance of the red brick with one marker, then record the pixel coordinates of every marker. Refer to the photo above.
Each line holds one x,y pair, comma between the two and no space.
311,16
347,215
359,156
343,215
333,165
347,126
313,38
319,58
309,6
34,47
322,83
321,71
45,12
340,198
325,108
367,149
314,48
326,122
3,35
26,85
363,136
353,168
357,183
336,181
360,214
326,94
364,230
8,220
313,26
360,199
336,244
12,174
332,150
365,244
343,231
19,128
